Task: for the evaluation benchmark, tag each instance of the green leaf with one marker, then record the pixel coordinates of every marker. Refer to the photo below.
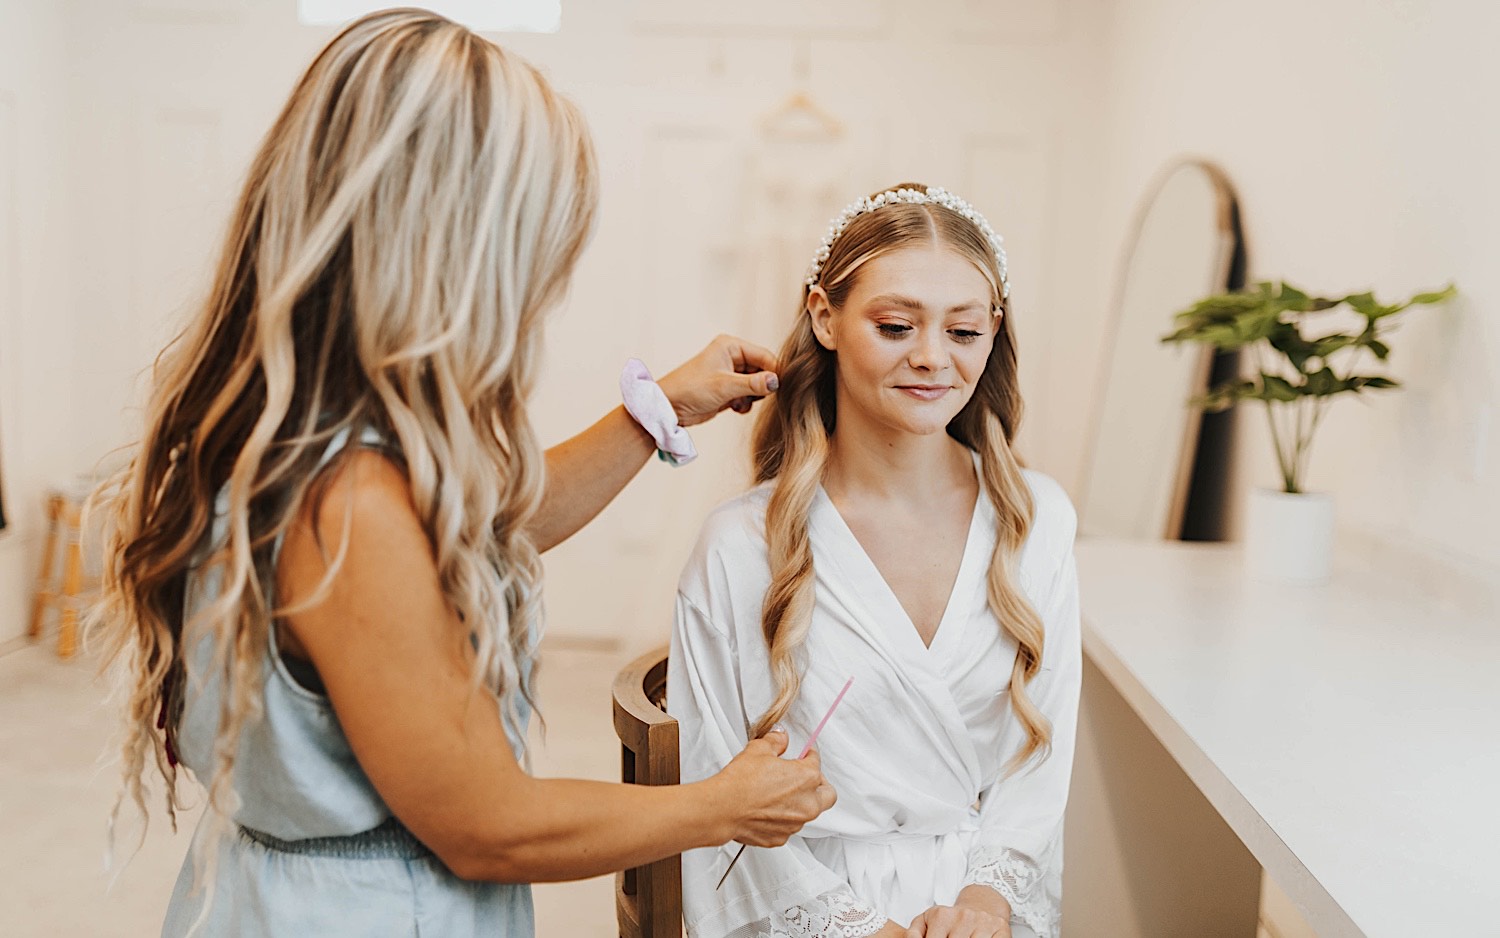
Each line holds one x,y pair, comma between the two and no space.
1225,396
1291,298
1329,344
1220,307
1374,382
1214,403
1219,320
1289,342
1255,325
1365,305
1436,296
1324,383
1226,336
1275,313
1277,389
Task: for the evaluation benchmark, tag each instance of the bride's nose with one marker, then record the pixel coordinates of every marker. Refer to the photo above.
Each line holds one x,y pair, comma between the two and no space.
929,354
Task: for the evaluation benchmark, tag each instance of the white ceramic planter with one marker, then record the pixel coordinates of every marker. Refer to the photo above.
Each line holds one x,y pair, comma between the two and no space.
1289,538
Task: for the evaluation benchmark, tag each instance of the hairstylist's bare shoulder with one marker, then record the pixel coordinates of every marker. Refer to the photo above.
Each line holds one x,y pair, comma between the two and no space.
368,490
362,516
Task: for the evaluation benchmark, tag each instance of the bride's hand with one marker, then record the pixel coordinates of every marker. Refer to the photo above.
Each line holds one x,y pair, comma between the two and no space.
979,912
729,374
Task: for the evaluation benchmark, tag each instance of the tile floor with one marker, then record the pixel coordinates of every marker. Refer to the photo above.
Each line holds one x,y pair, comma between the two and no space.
58,781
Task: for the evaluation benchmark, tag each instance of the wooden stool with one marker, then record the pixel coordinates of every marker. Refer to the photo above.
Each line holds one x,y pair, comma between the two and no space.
65,512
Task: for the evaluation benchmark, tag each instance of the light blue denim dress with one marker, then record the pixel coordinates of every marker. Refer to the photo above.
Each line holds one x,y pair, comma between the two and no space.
313,850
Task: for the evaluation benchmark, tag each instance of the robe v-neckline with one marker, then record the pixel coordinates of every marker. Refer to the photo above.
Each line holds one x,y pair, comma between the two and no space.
856,554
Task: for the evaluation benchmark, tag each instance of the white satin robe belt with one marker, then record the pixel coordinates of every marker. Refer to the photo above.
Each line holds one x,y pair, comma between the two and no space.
900,867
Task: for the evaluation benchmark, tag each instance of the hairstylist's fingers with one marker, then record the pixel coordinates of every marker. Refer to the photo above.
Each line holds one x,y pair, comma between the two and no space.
827,797
749,357
759,384
729,374
775,741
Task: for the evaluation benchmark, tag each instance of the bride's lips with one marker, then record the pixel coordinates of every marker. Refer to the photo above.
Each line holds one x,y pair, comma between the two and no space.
925,392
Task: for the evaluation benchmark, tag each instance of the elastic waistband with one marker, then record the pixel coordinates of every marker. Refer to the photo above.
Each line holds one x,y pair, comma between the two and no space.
390,841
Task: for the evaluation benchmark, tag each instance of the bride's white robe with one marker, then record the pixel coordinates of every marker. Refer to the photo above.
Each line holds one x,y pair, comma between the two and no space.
917,749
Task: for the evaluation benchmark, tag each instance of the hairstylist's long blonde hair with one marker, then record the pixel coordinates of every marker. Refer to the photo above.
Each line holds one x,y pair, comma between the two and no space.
416,208
792,439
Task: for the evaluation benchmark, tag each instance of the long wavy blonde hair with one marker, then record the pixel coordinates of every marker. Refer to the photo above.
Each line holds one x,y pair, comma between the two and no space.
791,446
416,208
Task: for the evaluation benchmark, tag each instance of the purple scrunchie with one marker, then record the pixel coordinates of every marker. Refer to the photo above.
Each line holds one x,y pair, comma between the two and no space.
648,404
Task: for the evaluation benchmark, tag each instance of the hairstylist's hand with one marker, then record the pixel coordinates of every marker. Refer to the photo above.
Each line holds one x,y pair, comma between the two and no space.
978,912
730,373
771,797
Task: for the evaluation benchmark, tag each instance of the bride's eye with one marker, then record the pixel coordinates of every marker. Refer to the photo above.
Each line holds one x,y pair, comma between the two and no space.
965,335
893,330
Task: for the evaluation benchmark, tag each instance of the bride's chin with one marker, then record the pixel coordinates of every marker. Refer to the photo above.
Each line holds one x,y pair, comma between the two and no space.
923,428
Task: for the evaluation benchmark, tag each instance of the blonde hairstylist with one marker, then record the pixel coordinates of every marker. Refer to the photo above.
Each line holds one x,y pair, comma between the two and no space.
323,582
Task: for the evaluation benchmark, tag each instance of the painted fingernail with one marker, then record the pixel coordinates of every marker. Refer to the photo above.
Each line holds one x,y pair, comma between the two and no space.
778,728
772,383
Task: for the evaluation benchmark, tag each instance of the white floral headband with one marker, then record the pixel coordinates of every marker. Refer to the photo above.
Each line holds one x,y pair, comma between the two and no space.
911,197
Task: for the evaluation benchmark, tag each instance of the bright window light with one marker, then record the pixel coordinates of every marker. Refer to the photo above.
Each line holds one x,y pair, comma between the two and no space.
516,16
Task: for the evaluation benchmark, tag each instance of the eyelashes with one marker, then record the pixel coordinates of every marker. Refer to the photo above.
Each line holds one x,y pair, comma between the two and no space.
896,330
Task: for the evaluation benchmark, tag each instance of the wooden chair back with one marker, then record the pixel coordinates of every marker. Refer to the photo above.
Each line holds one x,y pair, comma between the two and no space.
648,899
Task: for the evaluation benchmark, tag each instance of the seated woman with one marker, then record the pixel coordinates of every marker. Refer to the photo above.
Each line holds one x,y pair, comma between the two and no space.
893,537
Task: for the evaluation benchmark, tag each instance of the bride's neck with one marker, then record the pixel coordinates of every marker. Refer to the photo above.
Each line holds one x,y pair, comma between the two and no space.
905,465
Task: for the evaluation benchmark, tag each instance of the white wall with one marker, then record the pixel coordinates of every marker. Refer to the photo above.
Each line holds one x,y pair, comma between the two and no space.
1364,140
999,101
1356,132
37,446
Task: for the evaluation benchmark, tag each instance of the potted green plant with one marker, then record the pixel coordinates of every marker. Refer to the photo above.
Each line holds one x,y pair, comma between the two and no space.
1297,362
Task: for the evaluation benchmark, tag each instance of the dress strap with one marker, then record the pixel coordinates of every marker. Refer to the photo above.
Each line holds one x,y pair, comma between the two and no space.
301,674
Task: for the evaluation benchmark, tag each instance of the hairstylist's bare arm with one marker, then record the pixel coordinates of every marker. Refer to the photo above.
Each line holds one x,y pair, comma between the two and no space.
586,472
396,663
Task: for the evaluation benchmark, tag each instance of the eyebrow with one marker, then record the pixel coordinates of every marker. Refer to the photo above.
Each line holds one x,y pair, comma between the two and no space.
906,302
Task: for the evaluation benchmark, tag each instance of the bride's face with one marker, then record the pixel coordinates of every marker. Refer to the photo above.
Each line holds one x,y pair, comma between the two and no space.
912,337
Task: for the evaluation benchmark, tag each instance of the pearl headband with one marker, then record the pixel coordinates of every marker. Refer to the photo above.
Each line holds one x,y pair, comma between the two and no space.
911,197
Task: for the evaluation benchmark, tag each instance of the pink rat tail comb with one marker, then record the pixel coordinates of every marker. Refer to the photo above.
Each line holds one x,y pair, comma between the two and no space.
805,750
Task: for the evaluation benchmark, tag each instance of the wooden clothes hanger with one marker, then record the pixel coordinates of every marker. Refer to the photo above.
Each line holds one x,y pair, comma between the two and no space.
801,118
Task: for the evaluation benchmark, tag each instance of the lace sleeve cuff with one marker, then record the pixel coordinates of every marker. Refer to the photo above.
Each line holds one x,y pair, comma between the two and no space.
834,914
1023,884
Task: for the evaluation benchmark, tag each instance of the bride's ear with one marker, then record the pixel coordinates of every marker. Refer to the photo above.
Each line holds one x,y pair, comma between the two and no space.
820,314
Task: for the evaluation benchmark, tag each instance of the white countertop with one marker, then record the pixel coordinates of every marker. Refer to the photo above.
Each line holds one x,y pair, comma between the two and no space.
1349,734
